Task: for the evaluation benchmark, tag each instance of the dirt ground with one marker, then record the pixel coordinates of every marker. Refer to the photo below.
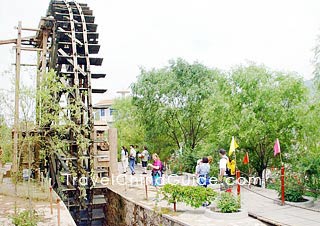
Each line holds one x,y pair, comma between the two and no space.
33,196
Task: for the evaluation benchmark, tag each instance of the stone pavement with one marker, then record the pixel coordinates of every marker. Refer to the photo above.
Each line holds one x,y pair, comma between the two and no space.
267,209
260,203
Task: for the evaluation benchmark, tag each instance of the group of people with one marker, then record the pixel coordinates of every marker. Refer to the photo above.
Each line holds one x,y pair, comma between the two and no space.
130,158
226,168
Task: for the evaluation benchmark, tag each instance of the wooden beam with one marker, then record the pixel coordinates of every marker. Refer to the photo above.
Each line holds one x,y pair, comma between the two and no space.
29,29
30,49
44,53
16,103
14,41
9,41
26,65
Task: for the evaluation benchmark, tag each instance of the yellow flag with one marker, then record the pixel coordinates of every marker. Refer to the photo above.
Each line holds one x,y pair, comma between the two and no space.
233,146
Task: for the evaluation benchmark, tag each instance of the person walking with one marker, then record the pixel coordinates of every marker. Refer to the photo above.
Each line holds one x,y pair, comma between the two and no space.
144,159
203,170
223,168
124,158
132,159
156,170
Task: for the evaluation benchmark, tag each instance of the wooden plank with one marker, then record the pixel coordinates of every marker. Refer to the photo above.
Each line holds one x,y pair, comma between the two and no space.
92,48
61,16
81,60
66,24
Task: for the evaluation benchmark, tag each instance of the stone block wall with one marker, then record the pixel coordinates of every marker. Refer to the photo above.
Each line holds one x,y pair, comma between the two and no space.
124,212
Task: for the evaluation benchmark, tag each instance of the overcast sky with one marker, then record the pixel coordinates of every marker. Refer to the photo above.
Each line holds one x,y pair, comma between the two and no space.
280,34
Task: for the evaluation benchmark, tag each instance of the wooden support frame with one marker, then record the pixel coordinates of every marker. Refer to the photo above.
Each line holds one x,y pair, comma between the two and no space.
16,102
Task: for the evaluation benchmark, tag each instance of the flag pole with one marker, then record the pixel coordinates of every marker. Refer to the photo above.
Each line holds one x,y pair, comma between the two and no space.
281,159
249,172
235,156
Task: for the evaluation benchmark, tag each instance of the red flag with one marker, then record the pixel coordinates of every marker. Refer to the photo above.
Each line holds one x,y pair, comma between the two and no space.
276,147
246,158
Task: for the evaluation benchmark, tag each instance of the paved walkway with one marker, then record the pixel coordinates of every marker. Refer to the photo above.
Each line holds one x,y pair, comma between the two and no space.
267,209
257,201
135,190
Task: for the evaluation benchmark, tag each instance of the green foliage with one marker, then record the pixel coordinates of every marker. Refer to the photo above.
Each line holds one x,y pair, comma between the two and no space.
193,106
307,159
127,121
260,105
5,141
228,203
294,189
189,160
193,196
26,218
197,110
172,102
62,123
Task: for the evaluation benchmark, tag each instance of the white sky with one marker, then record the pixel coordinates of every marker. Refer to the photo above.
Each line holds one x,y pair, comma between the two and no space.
278,33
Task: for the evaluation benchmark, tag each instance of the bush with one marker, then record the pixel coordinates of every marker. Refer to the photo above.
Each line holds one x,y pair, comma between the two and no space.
193,196
189,161
294,190
26,218
228,203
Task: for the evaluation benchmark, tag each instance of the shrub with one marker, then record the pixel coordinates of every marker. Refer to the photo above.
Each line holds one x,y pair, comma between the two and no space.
228,203
26,218
294,190
193,196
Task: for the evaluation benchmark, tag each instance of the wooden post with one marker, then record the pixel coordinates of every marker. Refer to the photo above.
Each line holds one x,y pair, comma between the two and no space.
51,209
113,148
58,208
42,58
16,102
238,181
282,185
146,187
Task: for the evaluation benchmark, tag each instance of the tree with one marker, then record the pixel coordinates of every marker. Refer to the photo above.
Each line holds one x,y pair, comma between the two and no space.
262,105
306,161
172,103
130,130
5,141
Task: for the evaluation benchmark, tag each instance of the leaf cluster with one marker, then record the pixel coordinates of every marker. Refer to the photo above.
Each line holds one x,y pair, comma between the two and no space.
193,196
228,203
294,188
26,218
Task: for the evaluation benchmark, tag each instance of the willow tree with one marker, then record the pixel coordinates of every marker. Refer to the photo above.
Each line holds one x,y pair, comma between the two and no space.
126,120
172,102
260,106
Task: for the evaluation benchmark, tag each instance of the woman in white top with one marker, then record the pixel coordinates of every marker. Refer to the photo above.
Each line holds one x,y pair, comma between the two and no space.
124,159
223,167
144,159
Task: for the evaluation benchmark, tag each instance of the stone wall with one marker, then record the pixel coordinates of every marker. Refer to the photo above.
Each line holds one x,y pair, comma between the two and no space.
122,212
